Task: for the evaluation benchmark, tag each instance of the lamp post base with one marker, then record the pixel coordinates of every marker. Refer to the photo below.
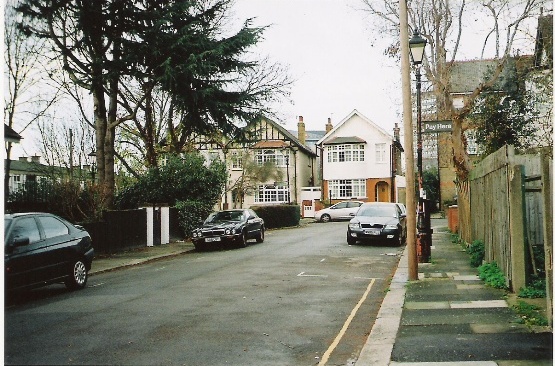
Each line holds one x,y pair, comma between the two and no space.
423,246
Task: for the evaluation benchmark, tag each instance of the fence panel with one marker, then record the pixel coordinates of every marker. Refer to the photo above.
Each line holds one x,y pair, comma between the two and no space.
507,206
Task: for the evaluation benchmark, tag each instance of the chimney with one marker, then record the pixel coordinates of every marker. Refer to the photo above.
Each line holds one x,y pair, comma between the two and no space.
23,158
396,133
329,126
35,159
301,134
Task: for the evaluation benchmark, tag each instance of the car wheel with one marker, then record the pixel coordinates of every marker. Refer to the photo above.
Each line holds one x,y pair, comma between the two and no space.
260,237
77,276
243,240
350,239
325,218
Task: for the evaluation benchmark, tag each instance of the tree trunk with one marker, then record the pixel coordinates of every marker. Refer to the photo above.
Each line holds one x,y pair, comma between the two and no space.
7,167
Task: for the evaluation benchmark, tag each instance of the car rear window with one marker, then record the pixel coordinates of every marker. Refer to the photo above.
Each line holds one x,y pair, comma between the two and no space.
53,227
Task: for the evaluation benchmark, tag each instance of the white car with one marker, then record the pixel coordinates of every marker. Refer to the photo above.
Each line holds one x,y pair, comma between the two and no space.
344,210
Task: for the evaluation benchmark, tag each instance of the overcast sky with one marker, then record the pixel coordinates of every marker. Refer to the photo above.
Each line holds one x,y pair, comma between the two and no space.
336,61
328,50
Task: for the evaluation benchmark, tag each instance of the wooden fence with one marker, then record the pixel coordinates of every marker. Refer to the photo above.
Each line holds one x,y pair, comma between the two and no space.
509,208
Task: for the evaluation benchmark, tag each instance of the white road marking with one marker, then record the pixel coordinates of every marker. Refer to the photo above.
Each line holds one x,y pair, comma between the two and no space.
302,274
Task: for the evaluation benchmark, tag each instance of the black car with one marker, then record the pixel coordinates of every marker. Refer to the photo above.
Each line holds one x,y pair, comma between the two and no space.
230,228
378,221
41,249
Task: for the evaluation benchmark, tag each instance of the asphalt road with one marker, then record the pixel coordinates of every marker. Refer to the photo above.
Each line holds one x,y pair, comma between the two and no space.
303,297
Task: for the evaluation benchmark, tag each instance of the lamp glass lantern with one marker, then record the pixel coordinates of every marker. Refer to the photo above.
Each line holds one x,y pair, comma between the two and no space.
92,156
416,46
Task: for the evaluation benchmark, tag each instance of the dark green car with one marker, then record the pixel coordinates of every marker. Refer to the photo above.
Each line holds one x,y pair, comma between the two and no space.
41,249
229,228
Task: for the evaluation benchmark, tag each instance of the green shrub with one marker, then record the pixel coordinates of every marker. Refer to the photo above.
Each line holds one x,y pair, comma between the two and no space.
192,214
276,216
530,314
477,252
491,274
536,289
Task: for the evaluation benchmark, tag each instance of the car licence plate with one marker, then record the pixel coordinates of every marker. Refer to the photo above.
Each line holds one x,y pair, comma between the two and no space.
372,232
208,240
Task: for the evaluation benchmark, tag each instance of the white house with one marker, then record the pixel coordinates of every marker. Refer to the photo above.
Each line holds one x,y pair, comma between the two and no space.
360,160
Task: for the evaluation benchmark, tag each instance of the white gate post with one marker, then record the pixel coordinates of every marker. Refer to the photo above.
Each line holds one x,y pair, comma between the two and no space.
149,226
165,230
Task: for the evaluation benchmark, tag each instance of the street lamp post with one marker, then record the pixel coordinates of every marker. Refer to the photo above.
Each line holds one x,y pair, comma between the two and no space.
92,155
285,153
423,238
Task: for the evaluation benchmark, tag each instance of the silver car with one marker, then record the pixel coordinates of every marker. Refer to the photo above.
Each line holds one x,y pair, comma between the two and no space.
344,210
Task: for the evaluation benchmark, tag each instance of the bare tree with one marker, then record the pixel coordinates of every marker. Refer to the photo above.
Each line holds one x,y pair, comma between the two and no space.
443,23
27,96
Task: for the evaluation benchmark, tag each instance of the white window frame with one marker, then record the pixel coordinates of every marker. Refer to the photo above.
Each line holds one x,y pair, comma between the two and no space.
345,153
271,193
381,153
236,160
274,155
347,188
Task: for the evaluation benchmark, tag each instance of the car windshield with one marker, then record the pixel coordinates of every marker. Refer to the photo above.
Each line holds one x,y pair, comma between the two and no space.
377,211
226,216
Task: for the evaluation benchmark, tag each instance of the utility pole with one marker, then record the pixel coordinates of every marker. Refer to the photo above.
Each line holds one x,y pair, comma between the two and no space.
408,140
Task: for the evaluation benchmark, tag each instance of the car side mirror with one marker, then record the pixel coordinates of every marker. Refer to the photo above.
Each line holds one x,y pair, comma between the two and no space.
18,241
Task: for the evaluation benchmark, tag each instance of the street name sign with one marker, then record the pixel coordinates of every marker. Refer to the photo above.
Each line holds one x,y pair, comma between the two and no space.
436,126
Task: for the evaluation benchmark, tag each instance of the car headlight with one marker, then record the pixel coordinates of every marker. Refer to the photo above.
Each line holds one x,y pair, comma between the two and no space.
390,227
354,225
227,231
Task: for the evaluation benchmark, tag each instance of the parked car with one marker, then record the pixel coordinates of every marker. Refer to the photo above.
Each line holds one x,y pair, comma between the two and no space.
41,249
344,210
403,208
230,228
378,221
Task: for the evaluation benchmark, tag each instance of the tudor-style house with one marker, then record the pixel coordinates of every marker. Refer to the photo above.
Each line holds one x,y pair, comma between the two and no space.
360,160
270,142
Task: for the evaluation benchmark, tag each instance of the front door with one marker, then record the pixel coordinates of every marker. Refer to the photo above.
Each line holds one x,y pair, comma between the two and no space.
382,192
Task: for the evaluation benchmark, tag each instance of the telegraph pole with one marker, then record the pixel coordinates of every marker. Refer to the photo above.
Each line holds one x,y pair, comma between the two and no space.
408,141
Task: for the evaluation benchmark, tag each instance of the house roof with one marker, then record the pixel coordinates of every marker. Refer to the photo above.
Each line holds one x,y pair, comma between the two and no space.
353,113
345,140
270,144
10,135
31,167
294,140
466,75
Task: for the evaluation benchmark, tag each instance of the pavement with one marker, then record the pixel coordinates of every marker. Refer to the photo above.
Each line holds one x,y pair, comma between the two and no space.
449,317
